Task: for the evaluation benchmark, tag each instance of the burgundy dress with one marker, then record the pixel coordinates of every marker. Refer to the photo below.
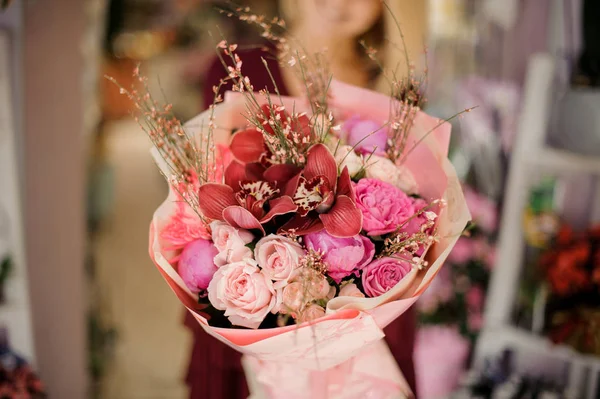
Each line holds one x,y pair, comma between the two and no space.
215,371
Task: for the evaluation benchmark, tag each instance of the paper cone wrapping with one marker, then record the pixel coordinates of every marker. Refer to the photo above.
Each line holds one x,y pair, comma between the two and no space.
351,324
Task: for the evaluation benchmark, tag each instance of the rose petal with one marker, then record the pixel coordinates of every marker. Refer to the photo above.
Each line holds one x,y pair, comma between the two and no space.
234,174
213,198
247,145
320,162
279,206
344,219
344,184
241,218
302,225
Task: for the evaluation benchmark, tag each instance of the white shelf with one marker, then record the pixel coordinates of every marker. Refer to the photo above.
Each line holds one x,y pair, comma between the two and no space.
556,160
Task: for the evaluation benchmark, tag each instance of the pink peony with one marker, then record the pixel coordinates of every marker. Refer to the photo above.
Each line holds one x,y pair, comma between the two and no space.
243,292
367,136
350,289
312,312
384,207
343,256
196,266
383,169
279,257
230,242
383,274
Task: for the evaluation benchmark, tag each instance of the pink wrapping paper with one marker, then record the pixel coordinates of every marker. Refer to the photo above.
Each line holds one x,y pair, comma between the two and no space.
350,324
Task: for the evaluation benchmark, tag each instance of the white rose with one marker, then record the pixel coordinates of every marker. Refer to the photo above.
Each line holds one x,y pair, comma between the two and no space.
231,243
346,156
350,289
279,257
383,169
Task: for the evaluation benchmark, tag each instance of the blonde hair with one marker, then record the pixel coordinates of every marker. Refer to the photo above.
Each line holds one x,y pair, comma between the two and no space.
385,37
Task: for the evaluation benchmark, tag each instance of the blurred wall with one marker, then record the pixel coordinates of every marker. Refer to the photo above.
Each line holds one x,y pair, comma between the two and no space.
54,190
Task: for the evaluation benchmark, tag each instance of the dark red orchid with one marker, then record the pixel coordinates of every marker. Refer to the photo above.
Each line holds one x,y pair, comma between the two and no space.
324,200
249,146
250,197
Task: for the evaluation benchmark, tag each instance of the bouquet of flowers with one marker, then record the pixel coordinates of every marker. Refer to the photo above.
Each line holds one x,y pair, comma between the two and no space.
317,223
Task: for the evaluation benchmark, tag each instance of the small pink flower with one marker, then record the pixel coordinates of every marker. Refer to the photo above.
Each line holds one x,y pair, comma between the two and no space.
343,256
243,292
311,312
196,266
366,135
231,243
294,297
279,257
383,274
315,284
384,206
350,289
383,169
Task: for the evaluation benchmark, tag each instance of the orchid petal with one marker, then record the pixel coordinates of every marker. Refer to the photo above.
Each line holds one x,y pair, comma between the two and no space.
213,198
280,173
320,162
247,145
302,225
344,185
279,206
241,218
234,174
292,185
254,171
344,219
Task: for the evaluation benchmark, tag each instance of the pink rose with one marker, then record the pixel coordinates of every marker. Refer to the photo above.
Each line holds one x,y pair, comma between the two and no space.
230,242
294,297
343,256
196,266
383,169
243,292
383,274
384,207
315,284
366,135
312,312
350,289
279,257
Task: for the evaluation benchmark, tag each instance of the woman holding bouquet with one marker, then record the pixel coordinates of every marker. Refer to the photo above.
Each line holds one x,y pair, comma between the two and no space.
215,370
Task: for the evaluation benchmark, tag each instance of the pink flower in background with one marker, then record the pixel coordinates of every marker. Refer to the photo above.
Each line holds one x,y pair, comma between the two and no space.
279,257
243,292
435,378
463,251
350,289
312,312
475,297
383,169
440,291
366,135
343,256
383,274
483,210
384,206
475,321
196,265
230,242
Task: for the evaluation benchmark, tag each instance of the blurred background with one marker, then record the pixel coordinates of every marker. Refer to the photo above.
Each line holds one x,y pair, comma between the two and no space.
84,313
